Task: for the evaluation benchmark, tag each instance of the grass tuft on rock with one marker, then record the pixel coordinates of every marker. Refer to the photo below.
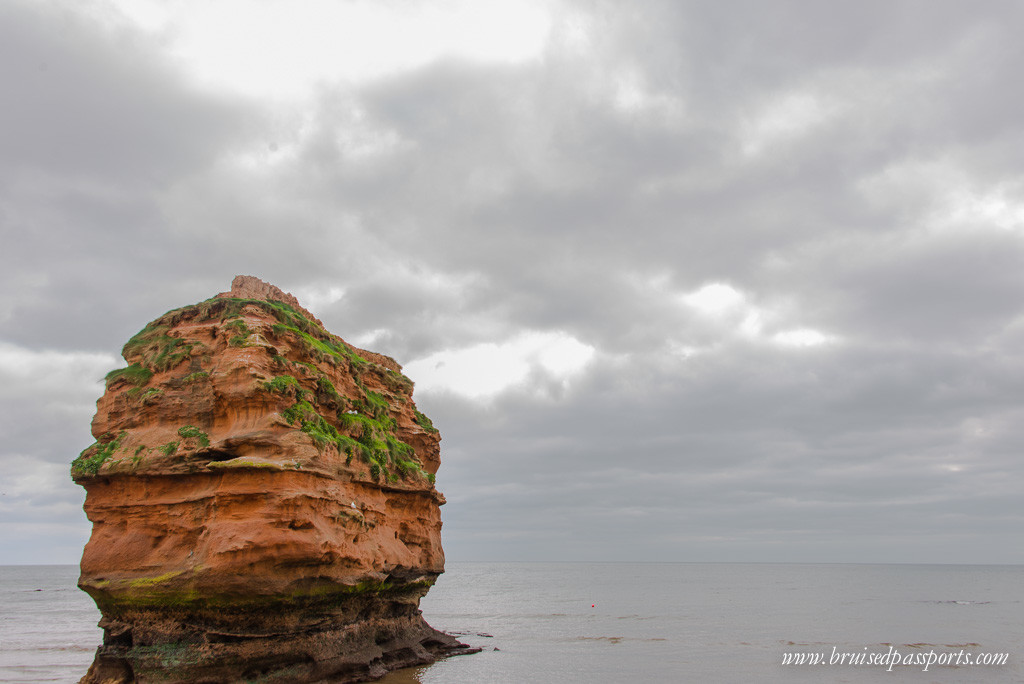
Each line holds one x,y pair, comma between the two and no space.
103,449
192,432
134,374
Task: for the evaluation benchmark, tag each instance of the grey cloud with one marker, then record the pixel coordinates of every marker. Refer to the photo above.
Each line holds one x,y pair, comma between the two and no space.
463,203
92,105
95,126
730,451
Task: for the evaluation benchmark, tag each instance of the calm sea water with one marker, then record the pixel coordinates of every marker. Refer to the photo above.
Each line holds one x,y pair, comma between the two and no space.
621,622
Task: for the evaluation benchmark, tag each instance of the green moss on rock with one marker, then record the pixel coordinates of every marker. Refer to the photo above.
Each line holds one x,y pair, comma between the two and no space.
192,432
134,374
98,453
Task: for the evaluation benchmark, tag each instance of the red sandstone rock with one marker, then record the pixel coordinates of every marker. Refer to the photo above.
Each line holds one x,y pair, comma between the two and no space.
263,503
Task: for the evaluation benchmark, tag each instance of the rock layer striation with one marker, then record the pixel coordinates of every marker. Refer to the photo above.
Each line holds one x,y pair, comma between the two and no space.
263,502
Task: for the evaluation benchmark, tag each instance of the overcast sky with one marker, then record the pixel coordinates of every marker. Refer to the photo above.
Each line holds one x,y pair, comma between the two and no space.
677,281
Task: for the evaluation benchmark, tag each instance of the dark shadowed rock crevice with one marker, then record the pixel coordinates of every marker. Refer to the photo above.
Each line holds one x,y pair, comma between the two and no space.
263,502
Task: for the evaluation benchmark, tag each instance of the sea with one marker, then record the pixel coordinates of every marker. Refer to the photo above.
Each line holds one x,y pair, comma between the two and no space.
638,622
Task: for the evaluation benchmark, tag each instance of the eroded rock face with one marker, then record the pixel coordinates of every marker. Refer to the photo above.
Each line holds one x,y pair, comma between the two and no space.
263,503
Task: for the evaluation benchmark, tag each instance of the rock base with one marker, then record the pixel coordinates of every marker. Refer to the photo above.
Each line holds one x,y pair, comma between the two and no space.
147,647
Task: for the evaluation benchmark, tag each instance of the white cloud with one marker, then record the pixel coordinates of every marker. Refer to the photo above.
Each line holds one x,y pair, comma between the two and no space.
57,375
283,49
802,337
752,324
783,118
368,338
947,197
716,298
1001,207
486,369
317,298
732,312
631,93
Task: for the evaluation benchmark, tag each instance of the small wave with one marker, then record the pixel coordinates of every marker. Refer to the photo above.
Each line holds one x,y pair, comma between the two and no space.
15,647
610,640
616,639
73,648
40,673
48,590
922,644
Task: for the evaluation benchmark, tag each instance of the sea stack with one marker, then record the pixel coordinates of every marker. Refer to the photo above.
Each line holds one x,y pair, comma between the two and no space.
263,503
